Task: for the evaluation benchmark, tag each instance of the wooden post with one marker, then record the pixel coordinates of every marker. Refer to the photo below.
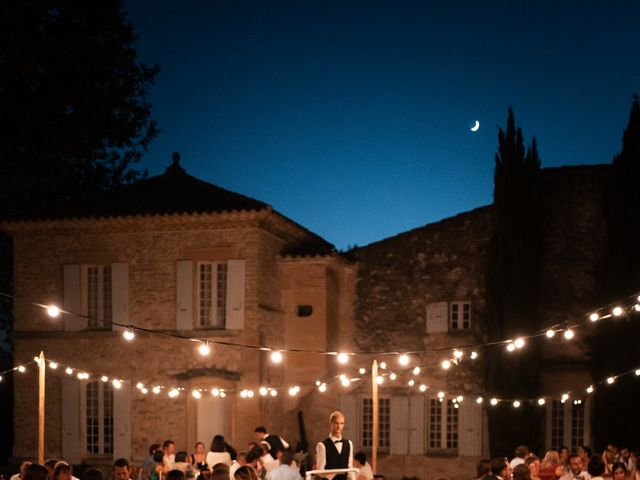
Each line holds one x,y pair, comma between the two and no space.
41,372
374,429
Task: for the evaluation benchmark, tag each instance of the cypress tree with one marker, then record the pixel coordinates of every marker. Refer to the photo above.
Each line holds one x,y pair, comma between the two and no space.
513,291
615,347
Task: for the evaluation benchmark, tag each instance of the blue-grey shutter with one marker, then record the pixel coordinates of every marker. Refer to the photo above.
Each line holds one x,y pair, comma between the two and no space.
416,425
73,299
235,294
120,294
437,317
122,421
470,428
71,434
399,424
184,295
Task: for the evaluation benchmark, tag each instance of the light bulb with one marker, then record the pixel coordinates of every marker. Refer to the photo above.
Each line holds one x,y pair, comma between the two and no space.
273,393
117,384
343,358
610,380
516,404
446,364
423,388
68,371
457,354
416,371
541,401
323,388
156,390
392,376
204,349
440,394
196,394
104,379
459,398
511,347
362,371
594,317
263,391
550,333
568,334
173,393
590,389
519,342
411,383
53,365
345,382
617,312
403,359
22,369
53,311
128,334
383,365
139,385
215,392
494,401
379,379
474,355
144,390
276,356
479,400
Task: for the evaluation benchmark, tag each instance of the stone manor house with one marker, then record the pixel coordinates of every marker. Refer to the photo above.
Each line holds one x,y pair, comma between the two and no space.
178,255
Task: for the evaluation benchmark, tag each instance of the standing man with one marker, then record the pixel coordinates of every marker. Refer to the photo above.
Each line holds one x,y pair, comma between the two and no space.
335,451
169,457
277,444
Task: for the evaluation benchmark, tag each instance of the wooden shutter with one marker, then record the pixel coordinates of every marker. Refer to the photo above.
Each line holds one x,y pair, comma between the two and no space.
184,295
349,408
470,428
122,422
416,425
120,294
437,321
399,425
235,294
71,434
73,299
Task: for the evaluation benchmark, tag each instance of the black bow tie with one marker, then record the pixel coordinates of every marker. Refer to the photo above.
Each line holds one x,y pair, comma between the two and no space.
337,441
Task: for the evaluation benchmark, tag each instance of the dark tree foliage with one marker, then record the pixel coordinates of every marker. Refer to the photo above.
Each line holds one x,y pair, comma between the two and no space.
513,291
74,117
73,97
616,347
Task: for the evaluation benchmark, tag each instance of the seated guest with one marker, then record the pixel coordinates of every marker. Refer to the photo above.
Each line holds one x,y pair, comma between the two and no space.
36,472
521,472
182,465
595,468
360,462
218,452
533,463
93,474
23,469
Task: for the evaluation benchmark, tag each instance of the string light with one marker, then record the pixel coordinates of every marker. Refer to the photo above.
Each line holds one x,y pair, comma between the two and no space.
519,342
440,395
479,400
129,334
53,365
403,359
617,311
263,391
343,358
276,356
274,393
541,401
594,317
510,347
550,333
637,372
53,311
144,390
173,393
474,355
196,394
568,334
156,390
379,379
22,368
494,401
215,392
139,386
383,365
457,354
116,383
411,382
516,404
446,364
423,387
204,349
322,387
590,389
345,382
610,380
104,379
416,370
392,376
68,371
362,371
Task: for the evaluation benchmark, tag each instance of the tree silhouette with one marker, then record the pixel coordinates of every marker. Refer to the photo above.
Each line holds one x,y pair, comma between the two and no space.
615,347
75,118
513,289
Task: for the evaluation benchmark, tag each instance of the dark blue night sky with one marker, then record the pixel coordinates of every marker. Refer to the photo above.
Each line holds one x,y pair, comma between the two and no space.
352,118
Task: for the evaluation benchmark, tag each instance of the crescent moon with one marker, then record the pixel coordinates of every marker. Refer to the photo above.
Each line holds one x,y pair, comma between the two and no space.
476,127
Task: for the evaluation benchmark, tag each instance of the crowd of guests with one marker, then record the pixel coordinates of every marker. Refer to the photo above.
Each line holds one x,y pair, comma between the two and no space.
614,463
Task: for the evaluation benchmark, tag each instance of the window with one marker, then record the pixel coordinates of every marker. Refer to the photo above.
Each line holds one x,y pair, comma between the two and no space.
577,425
96,295
212,294
99,418
460,316
443,424
384,414
557,424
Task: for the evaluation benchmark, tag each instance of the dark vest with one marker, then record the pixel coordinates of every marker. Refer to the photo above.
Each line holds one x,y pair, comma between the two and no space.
337,459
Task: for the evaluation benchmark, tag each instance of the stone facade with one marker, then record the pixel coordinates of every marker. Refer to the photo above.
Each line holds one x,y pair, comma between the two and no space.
378,298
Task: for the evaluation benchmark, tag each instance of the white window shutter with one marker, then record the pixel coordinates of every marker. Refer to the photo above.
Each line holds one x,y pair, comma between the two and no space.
235,294
120,294
399,424
437,321
470,428
349,408
71,433
184,295
122,422
73,299
416,425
